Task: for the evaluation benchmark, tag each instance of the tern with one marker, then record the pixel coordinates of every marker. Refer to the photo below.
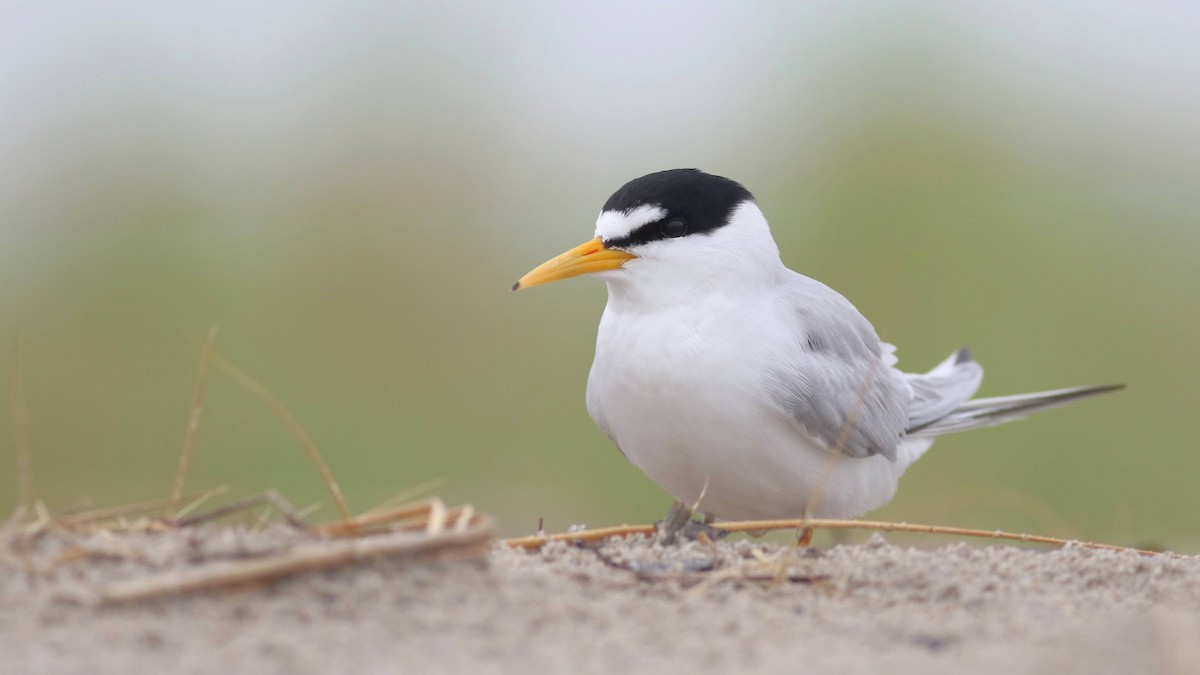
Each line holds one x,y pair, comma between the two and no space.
745,390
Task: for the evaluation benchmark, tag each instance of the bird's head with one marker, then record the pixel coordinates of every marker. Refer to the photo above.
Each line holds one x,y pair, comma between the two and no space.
675,233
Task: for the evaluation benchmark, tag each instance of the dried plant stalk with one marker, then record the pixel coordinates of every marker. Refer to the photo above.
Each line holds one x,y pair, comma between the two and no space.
289,421
125,510
193,426
313,556
418,516
537,541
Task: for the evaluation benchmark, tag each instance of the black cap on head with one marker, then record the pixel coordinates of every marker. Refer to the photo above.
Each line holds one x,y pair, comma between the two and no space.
695,202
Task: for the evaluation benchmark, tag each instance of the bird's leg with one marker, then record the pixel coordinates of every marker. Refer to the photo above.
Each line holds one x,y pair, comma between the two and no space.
669,527
678,521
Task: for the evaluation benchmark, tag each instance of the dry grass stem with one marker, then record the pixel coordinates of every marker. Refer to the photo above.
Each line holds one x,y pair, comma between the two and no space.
764,569
702,495
465,514
436,522
427,528
407,495
193,425
321,555
429,514
289,421
394,529
200,501
537,541
114,512
271,498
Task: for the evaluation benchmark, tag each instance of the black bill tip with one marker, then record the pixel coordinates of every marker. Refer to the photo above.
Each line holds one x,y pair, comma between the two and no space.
516,286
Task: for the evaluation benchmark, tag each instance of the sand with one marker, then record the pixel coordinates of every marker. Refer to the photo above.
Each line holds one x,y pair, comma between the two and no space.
628,606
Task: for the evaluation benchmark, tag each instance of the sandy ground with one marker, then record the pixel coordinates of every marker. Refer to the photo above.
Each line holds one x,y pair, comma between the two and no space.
629,607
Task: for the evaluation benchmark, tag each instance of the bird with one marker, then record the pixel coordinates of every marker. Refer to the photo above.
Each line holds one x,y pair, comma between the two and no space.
748,391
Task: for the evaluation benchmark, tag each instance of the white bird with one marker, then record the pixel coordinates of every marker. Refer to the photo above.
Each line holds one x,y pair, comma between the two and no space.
742,388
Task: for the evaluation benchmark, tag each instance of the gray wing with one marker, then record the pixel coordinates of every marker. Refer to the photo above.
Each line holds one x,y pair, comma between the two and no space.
836,381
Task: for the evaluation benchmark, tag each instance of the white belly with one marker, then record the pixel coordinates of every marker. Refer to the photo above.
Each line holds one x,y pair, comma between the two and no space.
683,396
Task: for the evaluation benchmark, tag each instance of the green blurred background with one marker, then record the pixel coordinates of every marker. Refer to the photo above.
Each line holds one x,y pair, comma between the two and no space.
349,189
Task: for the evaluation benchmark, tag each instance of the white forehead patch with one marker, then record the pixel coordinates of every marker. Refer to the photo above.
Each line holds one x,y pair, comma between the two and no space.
617,224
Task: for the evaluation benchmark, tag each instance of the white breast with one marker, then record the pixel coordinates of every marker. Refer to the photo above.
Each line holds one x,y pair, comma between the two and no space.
681,392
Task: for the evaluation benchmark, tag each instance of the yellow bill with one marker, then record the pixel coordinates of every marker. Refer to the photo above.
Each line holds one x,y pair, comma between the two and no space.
588,257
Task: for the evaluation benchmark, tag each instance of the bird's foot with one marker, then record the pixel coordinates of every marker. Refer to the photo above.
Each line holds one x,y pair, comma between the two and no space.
678,523
678,516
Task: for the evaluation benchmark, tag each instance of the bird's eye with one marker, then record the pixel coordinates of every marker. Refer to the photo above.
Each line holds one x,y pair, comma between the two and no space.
674,228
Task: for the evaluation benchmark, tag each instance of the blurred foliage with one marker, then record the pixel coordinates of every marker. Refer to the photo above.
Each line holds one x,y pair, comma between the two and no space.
349,201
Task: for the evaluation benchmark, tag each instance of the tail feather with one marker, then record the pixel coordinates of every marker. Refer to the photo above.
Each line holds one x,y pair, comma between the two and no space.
942,390
986,412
